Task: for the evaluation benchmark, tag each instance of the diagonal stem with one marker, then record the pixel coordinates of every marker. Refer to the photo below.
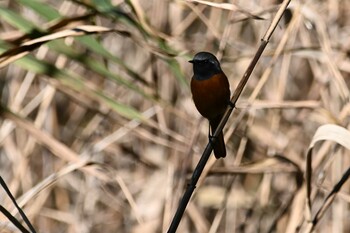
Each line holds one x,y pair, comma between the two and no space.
206,154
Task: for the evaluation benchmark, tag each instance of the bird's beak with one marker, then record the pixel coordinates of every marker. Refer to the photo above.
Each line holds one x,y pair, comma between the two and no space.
191,61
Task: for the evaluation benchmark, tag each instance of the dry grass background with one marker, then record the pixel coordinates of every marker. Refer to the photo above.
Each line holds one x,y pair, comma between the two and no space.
100,133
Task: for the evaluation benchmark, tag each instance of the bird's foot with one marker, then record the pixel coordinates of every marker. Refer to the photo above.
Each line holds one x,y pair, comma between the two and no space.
232,105
212,138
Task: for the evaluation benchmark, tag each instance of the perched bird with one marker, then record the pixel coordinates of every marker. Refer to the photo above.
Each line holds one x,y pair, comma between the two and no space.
211,94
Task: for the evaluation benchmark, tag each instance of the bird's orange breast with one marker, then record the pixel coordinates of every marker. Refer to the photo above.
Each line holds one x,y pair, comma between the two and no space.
211,95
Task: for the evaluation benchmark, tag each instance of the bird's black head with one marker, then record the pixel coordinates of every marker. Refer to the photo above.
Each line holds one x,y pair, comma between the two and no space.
205,65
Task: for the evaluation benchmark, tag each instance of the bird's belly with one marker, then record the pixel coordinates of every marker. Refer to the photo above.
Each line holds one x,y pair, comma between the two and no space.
211,95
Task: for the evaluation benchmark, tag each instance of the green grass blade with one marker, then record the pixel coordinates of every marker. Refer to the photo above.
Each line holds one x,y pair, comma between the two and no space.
44,10
76,83
17,21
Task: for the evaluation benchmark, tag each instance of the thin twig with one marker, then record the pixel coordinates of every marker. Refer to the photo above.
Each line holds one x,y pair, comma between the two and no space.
205,156
328,201
21,212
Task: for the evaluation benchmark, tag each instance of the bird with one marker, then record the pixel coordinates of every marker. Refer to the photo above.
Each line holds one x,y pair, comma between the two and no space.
211,94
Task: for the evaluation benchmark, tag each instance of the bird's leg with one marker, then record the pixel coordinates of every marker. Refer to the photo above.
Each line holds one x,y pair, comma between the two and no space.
210,134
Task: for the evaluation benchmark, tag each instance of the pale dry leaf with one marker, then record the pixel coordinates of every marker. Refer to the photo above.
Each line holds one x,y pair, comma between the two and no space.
226,6
333,133
329,132
19,52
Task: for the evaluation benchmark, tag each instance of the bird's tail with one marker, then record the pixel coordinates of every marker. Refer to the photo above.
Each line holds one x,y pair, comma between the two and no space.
219,146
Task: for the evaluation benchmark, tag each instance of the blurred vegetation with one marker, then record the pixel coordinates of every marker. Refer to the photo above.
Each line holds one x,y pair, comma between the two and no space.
99,133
